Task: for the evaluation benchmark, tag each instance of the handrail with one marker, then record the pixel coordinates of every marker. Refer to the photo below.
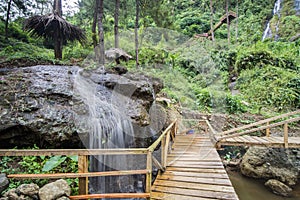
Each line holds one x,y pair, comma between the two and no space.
76,175
112,196
83,173
70,152
259,123
156,143
261,128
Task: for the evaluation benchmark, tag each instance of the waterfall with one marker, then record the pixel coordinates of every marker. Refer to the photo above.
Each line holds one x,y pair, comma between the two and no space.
107,127
268,32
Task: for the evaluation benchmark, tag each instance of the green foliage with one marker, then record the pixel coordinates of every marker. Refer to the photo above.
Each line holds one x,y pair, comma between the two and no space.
270,87
38,165
284,55
289,26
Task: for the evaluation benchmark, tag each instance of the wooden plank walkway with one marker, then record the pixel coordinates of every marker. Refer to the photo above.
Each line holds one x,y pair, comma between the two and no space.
275,142
194,172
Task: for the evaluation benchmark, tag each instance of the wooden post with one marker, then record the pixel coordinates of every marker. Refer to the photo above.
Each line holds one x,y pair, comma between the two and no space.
149,173
163,149
286,135
82,168
166,149
268,130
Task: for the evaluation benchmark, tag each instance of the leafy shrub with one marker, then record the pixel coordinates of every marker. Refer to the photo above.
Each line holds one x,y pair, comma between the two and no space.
270,87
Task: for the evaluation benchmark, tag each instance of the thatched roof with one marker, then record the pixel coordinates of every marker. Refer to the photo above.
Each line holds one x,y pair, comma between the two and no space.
52,26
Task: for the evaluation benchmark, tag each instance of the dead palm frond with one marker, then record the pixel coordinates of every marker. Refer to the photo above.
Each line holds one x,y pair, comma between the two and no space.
52,26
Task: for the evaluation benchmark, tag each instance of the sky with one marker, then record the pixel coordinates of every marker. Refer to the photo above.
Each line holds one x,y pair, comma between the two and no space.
70,6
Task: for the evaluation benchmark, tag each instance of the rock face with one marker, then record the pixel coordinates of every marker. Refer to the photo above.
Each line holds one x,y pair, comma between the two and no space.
3,182
56,190
278,187
267,163
38,104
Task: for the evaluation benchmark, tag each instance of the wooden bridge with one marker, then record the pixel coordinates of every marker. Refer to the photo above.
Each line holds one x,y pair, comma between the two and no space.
259,133
190,167
223,20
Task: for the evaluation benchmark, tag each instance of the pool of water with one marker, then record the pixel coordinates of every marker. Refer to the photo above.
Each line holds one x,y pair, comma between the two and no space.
251,189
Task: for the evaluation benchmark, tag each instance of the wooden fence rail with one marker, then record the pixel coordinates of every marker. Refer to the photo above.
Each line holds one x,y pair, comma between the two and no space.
83,173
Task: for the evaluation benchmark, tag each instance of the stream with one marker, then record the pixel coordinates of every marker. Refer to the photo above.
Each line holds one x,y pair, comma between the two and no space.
251,189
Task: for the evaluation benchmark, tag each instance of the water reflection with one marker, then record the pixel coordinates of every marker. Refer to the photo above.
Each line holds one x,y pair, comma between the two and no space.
250,189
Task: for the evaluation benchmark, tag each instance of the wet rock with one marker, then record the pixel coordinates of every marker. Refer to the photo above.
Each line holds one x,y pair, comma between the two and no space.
39,104
3,182
268,163
55,190
30,190
278,187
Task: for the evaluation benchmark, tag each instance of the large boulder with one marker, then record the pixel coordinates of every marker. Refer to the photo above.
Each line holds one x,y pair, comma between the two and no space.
267,163
40,105
55,190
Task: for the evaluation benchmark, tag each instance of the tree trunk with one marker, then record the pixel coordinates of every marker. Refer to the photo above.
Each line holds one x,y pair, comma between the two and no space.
57,7
7,18
101,33
136,33
58,46
116,29
94,37
58,41
237,20
212,20
228,22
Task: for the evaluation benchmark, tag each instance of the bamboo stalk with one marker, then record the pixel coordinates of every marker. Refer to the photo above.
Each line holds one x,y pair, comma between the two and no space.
111,196
76,175
286,135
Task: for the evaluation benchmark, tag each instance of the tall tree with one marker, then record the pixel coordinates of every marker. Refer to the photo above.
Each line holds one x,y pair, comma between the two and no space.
116,28
58,41
137,13
101,32
94,26
237,20
211,20
228,22
7,18
19,5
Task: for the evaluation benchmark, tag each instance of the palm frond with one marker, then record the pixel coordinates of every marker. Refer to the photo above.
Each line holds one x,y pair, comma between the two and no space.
52,26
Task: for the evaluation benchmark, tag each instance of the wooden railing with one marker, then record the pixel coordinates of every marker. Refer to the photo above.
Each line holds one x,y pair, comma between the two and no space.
262,125
83,173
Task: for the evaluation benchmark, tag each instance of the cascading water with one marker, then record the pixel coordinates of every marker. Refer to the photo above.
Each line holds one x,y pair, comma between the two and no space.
105,121
268,32
107,127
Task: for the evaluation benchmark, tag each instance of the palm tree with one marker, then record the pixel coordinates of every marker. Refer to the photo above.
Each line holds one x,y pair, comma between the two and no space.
54,27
